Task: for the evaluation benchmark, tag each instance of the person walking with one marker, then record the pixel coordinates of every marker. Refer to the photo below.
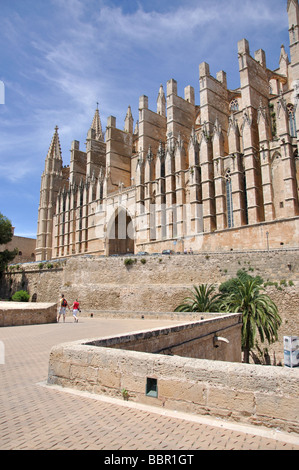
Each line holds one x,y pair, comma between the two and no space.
63,306
76,309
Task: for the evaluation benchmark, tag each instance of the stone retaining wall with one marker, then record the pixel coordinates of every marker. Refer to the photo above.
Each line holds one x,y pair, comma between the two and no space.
150,283
158,283
252,394
197,339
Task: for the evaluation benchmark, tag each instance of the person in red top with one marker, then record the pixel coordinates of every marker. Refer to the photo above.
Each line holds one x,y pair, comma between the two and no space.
76,309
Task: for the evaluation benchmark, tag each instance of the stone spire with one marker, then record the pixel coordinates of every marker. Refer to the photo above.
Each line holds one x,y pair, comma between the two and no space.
97,126
161,102
52,182
129,121
55,148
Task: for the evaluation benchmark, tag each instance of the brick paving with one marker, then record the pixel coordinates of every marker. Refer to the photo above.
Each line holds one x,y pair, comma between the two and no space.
34,416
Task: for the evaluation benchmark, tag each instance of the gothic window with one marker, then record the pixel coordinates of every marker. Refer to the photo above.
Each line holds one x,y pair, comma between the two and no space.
161,156
292,120
273,119
80,213
245,198
234,105
229,200
101,192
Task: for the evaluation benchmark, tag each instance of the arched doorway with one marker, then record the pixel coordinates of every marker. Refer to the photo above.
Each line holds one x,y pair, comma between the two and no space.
121,233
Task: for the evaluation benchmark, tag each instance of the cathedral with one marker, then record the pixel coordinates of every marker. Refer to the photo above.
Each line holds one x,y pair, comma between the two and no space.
222,175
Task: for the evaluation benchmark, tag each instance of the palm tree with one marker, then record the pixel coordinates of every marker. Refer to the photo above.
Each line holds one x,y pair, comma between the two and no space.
201,299
260,314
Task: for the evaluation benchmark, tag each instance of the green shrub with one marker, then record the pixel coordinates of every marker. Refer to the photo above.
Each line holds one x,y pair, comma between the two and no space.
228,286
21,296
128,261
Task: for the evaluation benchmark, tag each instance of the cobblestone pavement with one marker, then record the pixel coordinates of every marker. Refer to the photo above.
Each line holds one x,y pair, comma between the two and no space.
34,416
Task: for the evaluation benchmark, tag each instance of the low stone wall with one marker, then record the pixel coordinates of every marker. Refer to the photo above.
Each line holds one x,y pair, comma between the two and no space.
196,340
23,313
252,394
158,283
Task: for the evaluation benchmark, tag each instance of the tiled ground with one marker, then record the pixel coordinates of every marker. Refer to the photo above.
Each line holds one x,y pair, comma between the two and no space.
34,416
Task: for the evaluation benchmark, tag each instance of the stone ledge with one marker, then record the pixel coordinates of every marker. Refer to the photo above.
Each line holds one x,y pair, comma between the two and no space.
27,313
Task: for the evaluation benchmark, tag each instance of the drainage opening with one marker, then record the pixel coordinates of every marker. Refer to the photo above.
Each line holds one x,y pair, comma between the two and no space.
151,387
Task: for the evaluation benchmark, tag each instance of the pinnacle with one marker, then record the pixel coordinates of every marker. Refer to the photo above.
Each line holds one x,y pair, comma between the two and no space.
97,126
129,111
55,148
161,93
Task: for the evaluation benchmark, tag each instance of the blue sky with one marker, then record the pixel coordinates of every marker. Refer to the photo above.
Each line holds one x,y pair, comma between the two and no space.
58,58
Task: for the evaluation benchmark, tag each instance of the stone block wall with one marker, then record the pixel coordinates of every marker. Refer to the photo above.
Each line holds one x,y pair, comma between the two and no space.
216,337
105,285
23,313
251,394
26,248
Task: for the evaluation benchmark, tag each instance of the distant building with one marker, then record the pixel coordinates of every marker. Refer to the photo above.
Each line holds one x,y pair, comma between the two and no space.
26,248
219,176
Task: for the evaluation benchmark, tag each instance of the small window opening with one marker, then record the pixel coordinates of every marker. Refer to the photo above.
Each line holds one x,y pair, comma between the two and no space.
234,105
151,387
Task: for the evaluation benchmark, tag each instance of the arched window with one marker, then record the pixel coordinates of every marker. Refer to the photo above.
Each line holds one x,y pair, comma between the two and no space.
229,200
234,105
292,120
120,232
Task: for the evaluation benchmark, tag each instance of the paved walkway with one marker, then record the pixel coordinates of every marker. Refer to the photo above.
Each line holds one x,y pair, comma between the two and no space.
35,416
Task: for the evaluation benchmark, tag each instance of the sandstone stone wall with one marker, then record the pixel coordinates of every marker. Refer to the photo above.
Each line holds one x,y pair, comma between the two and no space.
26,248
158,283
247,393
216,337
23,313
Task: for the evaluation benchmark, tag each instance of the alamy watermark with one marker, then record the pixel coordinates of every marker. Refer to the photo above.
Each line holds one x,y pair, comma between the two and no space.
2,92
2,353
151,222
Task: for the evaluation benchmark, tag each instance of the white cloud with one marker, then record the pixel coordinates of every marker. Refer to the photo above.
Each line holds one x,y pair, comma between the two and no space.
14,171
187,19
112,56
89,50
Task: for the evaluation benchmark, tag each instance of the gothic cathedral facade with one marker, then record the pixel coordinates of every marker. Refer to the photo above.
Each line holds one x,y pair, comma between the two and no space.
220,176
